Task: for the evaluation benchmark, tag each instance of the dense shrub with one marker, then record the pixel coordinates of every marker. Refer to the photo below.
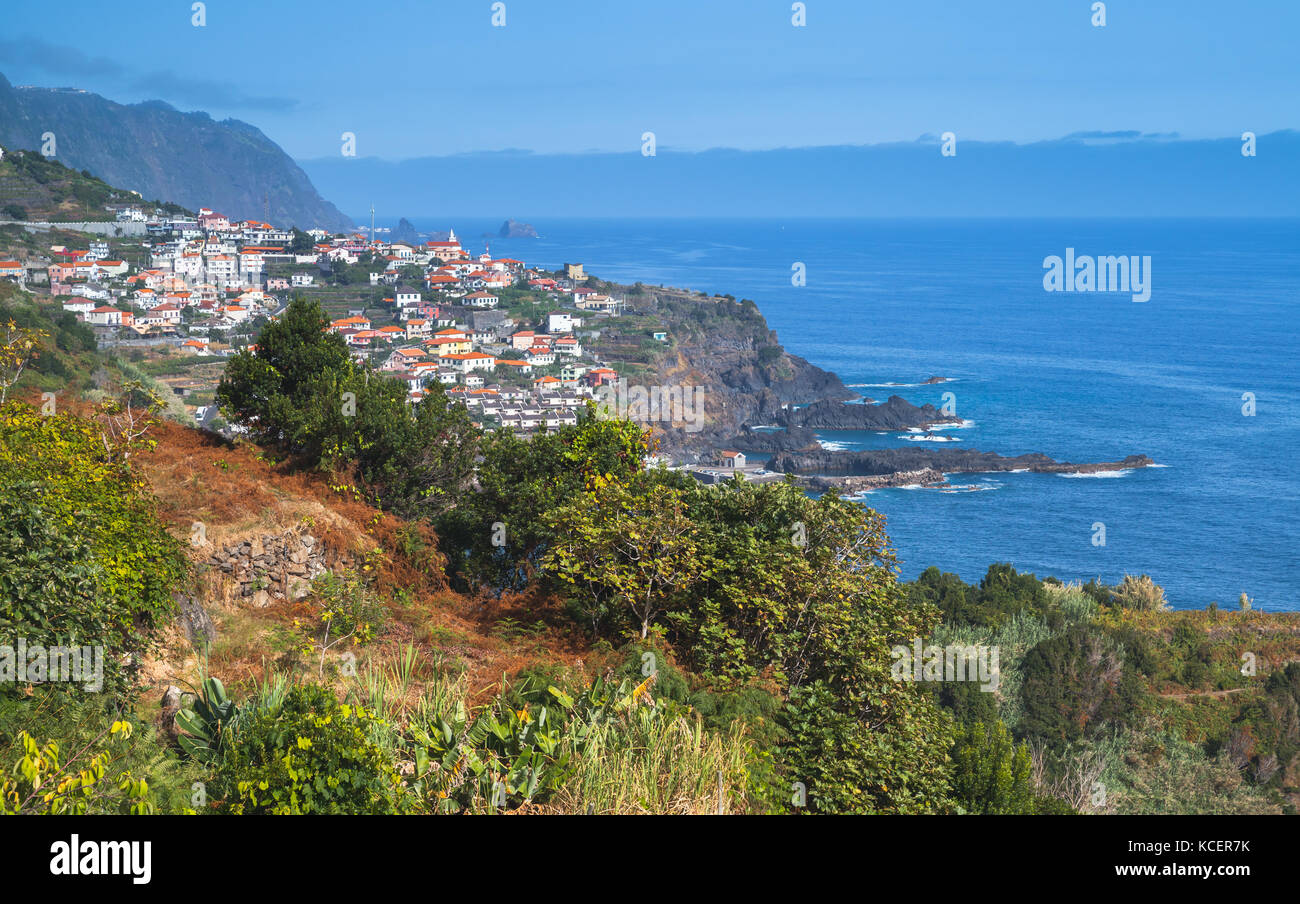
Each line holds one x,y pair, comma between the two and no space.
1139,593
132,771
83,556
311,754
991,773
1074,685
848,767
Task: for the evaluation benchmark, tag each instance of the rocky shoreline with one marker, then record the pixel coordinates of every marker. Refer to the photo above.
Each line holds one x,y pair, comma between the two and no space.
927,477
886,467
759,398
896,413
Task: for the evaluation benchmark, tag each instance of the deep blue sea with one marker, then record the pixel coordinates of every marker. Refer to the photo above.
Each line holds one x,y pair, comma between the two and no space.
1078,376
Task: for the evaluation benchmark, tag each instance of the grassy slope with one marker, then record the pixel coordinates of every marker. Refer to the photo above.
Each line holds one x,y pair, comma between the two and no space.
237,493
47,190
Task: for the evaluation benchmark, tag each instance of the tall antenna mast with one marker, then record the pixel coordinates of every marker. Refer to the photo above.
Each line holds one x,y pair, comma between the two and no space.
372,222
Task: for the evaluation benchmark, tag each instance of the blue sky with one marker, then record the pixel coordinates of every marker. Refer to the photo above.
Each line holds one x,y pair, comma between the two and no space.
412,79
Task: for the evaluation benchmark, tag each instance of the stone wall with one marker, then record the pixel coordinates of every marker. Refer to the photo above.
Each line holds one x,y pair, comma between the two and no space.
114,228
272,567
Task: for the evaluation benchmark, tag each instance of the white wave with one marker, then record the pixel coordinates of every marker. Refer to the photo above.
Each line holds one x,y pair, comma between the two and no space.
830,446
961,426
895,385
931,439
1121,473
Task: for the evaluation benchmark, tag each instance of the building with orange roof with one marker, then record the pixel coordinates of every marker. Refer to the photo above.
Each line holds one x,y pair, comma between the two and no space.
465,362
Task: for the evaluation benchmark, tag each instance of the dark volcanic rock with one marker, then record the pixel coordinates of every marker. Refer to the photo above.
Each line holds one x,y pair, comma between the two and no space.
194,620
796,439
513,229
890,461
405,232
895,414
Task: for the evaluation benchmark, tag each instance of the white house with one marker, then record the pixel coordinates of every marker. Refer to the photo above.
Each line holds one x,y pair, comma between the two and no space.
481,300
104,316
167,312
465,362
567,345
539,356
406,297
562,322
222,269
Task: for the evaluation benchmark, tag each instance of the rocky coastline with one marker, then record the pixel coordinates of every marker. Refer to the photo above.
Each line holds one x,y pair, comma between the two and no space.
759,398
896,413
844,467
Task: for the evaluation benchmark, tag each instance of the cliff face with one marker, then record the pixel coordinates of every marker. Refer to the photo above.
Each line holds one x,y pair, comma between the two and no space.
721,345
152,148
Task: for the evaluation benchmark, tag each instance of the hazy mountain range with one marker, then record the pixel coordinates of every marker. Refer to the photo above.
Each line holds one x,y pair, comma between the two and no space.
188,158
1089,174
193,160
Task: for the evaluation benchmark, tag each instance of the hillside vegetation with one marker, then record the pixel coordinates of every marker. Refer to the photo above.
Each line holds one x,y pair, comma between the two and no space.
37,188
552,626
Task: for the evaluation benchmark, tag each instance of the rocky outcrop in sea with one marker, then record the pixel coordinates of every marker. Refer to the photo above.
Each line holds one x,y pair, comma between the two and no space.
892,461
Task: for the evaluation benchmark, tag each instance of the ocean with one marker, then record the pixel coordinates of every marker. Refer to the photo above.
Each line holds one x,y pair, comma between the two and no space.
1079,376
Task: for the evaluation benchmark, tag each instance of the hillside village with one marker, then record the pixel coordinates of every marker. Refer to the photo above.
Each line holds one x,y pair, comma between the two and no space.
509,340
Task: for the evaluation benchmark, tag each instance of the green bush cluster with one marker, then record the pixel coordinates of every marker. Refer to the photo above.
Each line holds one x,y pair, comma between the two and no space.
744,583
83,557
301,392
310,754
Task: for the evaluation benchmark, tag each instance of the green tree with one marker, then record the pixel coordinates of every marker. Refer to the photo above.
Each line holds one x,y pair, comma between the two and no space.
625,551
499,534
301,243
991,773
264,390
301,391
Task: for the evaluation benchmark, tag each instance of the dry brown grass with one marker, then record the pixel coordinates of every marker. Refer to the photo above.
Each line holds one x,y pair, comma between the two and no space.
237,493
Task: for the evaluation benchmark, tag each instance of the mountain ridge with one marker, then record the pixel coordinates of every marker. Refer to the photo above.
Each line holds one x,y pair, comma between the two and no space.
161,152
